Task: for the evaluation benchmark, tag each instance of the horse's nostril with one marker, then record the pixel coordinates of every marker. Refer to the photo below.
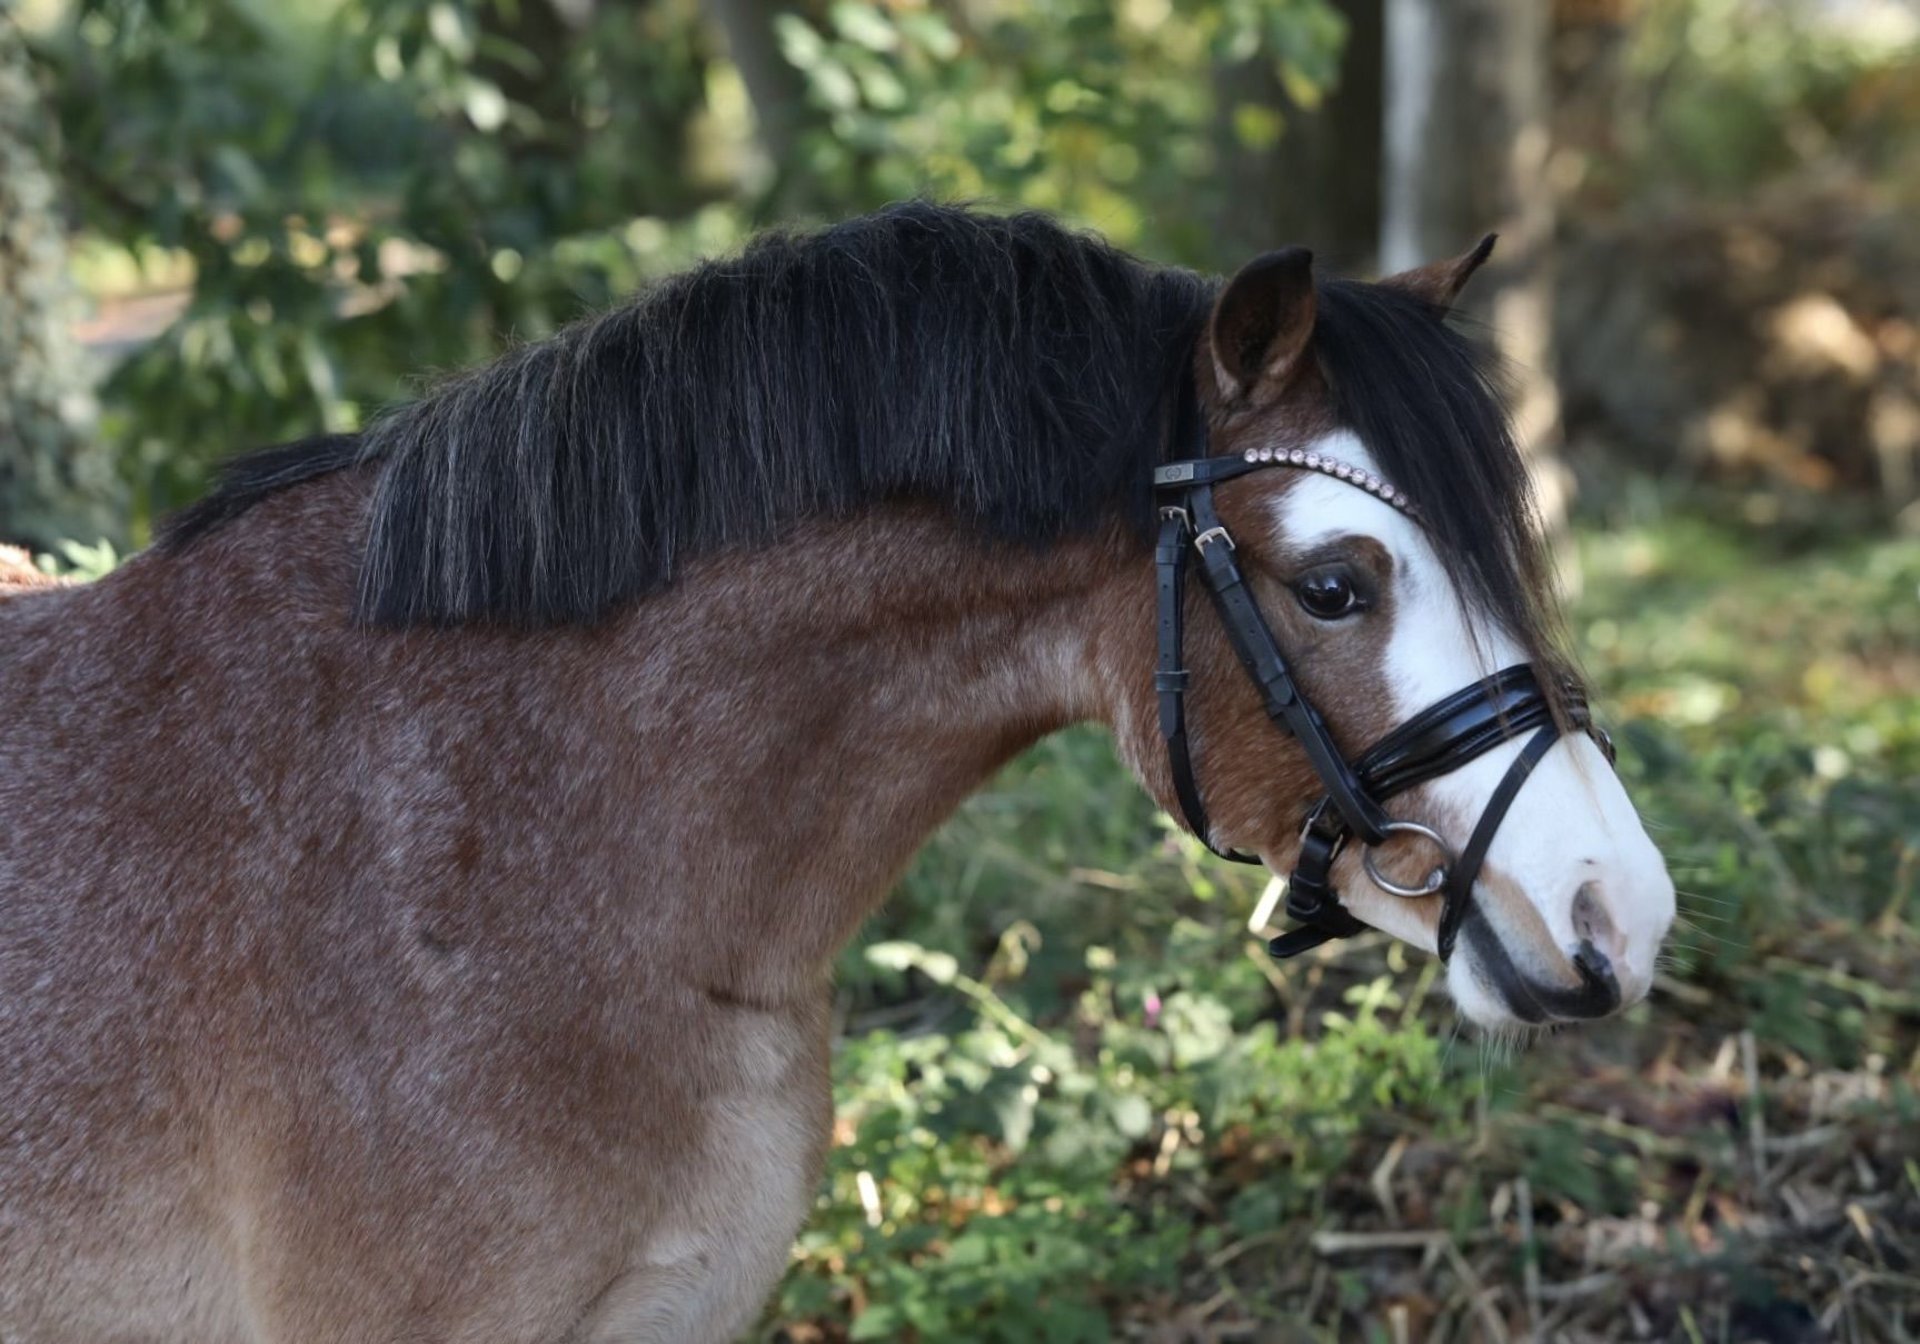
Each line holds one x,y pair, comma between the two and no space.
1592,924
1595,966
1600,988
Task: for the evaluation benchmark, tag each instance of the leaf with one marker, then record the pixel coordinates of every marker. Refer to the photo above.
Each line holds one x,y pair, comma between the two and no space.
1015,1110
1132,1115
895,956
799,43
485,105
1199,1027
831,79
449,29
939,967
864,25
240,171
880,1321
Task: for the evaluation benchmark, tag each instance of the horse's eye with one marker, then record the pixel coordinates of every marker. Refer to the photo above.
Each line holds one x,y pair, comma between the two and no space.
1328,594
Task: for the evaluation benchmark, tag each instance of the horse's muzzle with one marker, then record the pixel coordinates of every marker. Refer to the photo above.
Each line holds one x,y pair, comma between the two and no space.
1596,992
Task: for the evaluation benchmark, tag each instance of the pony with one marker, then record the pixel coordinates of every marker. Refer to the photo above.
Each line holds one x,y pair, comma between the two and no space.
420,870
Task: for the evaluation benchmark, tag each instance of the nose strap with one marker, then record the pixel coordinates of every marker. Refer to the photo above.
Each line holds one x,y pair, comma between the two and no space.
1466,869
1440,739
1467,724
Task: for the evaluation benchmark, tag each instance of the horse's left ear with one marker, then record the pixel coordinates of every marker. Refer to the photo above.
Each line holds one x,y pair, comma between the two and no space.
1261,324
1440,282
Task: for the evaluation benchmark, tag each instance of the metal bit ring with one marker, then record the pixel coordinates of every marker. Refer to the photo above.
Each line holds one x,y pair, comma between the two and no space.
1435,880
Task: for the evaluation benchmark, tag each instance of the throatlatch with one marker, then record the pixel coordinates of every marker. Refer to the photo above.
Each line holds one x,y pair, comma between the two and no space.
1435,742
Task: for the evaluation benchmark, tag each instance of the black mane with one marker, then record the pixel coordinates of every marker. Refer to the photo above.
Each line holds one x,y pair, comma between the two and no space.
1004,367
1022,375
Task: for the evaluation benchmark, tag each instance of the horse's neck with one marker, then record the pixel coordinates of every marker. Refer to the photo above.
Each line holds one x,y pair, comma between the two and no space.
739,766
801,719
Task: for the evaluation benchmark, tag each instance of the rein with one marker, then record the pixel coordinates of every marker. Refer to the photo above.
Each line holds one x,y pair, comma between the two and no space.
1437,741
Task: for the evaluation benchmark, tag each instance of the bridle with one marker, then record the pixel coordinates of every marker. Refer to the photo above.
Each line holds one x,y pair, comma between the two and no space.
1437,741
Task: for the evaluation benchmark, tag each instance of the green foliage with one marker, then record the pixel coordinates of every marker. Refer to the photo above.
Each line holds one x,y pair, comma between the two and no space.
78,560
1735,92
1013,1173
55,480
1775,743
1096,110
363,193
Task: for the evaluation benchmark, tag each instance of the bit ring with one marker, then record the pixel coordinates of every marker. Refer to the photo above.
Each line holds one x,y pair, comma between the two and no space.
1435,880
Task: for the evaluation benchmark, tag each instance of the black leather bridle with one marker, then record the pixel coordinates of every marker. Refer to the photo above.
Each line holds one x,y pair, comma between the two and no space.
1435,742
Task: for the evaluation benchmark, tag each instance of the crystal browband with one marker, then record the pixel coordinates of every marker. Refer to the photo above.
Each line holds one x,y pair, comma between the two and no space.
1342,471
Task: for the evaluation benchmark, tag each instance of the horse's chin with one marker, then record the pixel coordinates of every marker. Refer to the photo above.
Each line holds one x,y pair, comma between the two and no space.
1486,1006
1494,994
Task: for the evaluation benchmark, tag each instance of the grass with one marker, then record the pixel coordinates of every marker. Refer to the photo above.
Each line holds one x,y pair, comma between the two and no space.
1076,1102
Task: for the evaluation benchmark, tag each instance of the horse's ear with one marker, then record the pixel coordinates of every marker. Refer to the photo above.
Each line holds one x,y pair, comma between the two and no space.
1261,324
1440,282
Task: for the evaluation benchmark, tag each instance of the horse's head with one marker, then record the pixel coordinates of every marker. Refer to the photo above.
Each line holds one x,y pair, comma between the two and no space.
1386,597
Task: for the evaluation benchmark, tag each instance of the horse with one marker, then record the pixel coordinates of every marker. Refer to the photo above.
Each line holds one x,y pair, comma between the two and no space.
420,870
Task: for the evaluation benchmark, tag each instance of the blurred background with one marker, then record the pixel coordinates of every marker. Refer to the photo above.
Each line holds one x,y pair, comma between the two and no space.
1076,1102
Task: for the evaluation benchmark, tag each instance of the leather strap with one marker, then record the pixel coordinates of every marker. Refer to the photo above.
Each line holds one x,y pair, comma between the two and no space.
1466,869
1171,678
1437,741
1253,641
1466,724
1336,922
1311,900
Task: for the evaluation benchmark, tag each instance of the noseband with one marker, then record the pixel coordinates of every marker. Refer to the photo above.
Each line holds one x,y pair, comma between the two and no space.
1435,742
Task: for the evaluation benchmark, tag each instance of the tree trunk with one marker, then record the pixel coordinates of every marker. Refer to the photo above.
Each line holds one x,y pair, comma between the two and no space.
1319,187
1594,129
539,34
1467,140
54,481
777,91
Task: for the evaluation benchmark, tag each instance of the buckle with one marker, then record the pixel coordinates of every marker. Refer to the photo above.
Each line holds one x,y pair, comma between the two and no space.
1213,534
1603,740
1320,847
1316,825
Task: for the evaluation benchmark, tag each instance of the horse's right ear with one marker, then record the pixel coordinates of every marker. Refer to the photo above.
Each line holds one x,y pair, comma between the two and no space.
1441,282
1261,324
